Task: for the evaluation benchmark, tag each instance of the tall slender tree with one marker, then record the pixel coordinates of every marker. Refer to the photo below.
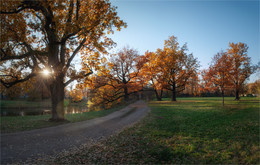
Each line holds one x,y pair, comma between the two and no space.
241,67
218,73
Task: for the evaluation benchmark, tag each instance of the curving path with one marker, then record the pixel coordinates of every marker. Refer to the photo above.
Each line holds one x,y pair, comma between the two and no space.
50,141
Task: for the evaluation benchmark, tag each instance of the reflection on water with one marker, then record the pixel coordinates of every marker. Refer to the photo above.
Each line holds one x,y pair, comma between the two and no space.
75,109
39,111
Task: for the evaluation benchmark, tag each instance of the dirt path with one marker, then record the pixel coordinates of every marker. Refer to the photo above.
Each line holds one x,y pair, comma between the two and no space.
52,140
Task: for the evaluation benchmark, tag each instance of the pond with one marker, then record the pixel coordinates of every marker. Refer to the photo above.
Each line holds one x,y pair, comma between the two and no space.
39,111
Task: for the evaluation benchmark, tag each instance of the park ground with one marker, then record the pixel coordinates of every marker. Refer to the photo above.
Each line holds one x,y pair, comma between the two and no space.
189,131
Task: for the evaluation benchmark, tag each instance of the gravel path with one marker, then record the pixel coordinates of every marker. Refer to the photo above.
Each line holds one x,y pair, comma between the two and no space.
50,141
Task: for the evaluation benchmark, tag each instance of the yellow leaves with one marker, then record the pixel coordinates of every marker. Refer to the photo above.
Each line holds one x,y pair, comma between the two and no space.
103,60
76,94
110,65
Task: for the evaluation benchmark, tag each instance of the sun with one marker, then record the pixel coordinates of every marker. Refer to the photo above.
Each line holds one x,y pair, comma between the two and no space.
46,72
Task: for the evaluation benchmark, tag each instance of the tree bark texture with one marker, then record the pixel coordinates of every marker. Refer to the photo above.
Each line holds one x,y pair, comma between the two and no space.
157,95
174,92
57,99
237,95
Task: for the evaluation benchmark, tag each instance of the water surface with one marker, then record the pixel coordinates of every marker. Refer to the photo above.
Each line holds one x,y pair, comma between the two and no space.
39,111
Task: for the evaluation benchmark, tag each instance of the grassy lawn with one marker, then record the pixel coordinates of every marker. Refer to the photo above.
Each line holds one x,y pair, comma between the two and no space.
22,123
23,103
34,104
189,131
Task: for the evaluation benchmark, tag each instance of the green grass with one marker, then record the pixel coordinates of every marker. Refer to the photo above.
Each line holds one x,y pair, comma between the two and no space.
24,103
10,124
189,131
34,104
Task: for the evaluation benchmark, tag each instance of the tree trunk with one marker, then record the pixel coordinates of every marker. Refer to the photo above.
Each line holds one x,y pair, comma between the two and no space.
157,95
222,97
126,94
42,91
57,99
173,93
161,93
237,95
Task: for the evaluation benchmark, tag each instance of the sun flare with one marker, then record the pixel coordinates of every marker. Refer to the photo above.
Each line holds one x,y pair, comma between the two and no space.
46,72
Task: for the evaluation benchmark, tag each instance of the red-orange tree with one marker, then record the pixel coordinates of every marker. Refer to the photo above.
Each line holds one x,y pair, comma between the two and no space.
218,74
49,34
241,68
176,65
119,78
125,69
153,74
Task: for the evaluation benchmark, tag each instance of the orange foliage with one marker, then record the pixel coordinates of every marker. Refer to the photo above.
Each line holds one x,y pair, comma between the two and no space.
218,74
48,34
118,78
176,66
241,68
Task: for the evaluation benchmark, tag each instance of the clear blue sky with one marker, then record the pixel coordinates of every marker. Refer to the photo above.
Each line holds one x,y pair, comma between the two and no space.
206,26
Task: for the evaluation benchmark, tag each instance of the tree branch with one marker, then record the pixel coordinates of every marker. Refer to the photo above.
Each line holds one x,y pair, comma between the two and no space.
28,54
26,4
75,52
77,77
10,84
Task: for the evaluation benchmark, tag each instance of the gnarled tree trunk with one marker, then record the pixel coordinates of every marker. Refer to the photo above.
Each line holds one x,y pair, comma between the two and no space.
158,96
57,99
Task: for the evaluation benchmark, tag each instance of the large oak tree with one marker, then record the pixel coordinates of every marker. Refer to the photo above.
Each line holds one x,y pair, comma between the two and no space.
177,66
119,78
49,34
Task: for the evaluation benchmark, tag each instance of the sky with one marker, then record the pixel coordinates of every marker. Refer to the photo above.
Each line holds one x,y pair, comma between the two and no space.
207,26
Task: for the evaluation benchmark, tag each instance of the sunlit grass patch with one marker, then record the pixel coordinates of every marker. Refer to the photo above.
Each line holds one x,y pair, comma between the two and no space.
199,132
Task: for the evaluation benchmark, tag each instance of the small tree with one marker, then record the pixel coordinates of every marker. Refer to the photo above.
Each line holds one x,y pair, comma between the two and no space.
219,72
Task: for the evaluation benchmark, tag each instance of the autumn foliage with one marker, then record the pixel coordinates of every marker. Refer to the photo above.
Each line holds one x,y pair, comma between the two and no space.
240,69
218,74
118,79
170,68
229,70
48,34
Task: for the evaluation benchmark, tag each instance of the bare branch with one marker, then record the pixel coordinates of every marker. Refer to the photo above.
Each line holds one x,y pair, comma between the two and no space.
75,52
28,54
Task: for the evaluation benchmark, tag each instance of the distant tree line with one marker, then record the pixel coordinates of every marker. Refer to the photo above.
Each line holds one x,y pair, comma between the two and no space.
168,72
